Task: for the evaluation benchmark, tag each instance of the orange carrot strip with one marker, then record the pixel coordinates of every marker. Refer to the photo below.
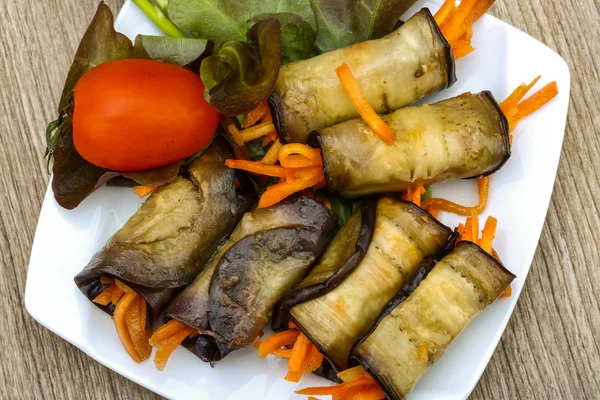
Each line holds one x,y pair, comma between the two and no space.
143,191
352,374
516,96
363,107
312,398
483,185
292,376
165,332
257,168
488,234
283,353
120,318
467,234
239,150
106,279
315,359
104,297
269,138
302,180
272,155
537,100
477,12
123,286
256,131
277,341
433,210
116,294
330,390
442,14
304,156
300,353
417,193
372,393
507,292
168,347
461,51
256,115
137,332
451,28
423,353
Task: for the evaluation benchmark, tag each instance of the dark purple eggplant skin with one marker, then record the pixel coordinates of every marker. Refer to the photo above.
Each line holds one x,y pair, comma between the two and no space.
404,294
128,262
368,207
290,222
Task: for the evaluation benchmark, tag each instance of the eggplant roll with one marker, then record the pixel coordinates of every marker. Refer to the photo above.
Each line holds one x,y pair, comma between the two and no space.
462,137
269,251
458,288
403,236
175,232
393,72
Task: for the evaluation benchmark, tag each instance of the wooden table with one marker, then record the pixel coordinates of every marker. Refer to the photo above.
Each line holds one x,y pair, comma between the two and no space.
550,349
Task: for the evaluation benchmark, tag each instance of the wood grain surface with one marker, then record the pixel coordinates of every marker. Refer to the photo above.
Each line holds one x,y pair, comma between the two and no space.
551,348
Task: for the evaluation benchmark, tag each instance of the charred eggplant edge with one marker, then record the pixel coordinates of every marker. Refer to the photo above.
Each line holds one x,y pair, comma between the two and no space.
428,261
450,62
402,295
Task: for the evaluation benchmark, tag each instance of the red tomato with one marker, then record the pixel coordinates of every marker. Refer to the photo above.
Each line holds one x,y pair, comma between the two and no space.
132,115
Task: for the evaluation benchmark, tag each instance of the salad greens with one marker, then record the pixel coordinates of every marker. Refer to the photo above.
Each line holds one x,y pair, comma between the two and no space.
297,36
177,51
241,75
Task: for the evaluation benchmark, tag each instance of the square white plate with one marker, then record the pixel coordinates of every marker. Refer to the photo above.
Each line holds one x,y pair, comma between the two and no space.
520,194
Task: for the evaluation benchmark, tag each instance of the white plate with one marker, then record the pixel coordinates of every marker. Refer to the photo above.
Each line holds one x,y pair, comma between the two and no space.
520,194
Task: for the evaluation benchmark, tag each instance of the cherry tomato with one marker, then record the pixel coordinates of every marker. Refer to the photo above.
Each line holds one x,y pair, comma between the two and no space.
132,115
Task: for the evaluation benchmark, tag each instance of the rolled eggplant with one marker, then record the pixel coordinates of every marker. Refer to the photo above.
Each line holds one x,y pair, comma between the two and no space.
335,313
173,235
395,71
269,251
462,137
429,316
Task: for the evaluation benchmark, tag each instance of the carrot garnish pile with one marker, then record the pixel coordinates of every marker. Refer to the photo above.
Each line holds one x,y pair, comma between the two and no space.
469,231
129,317
483,186
302,355
456,23
363,107
301,167
167,338
357,384
143,191
413,194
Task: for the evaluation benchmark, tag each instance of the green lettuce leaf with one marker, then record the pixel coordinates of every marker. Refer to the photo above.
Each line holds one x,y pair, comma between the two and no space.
297,36
223,20
177,51
341,23
240,75
74,178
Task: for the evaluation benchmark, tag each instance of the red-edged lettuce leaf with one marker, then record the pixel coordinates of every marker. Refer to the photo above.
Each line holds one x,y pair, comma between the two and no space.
241,75
74,178
341,23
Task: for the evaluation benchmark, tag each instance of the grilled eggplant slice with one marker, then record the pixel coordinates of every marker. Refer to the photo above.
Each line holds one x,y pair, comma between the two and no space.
458,288
403,236
393,72
175,232
462,137
269,251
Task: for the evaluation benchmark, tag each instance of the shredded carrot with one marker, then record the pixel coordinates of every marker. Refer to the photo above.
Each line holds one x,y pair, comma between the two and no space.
283,353
467,232
474,227
314,360
123,286
312,398
509,106
127,319
296,155
273,154
423,353
239,150
413,194
433,210
477,12
256,131
143,191
257,167
165,331
304,179
536,101
300,352
361,104
277,341
461,51
507,292
444,11
373,393
106,279
488,234
451,28
483,185
115,294
352,374
136,326
104,297
270,138
256,115
166,339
